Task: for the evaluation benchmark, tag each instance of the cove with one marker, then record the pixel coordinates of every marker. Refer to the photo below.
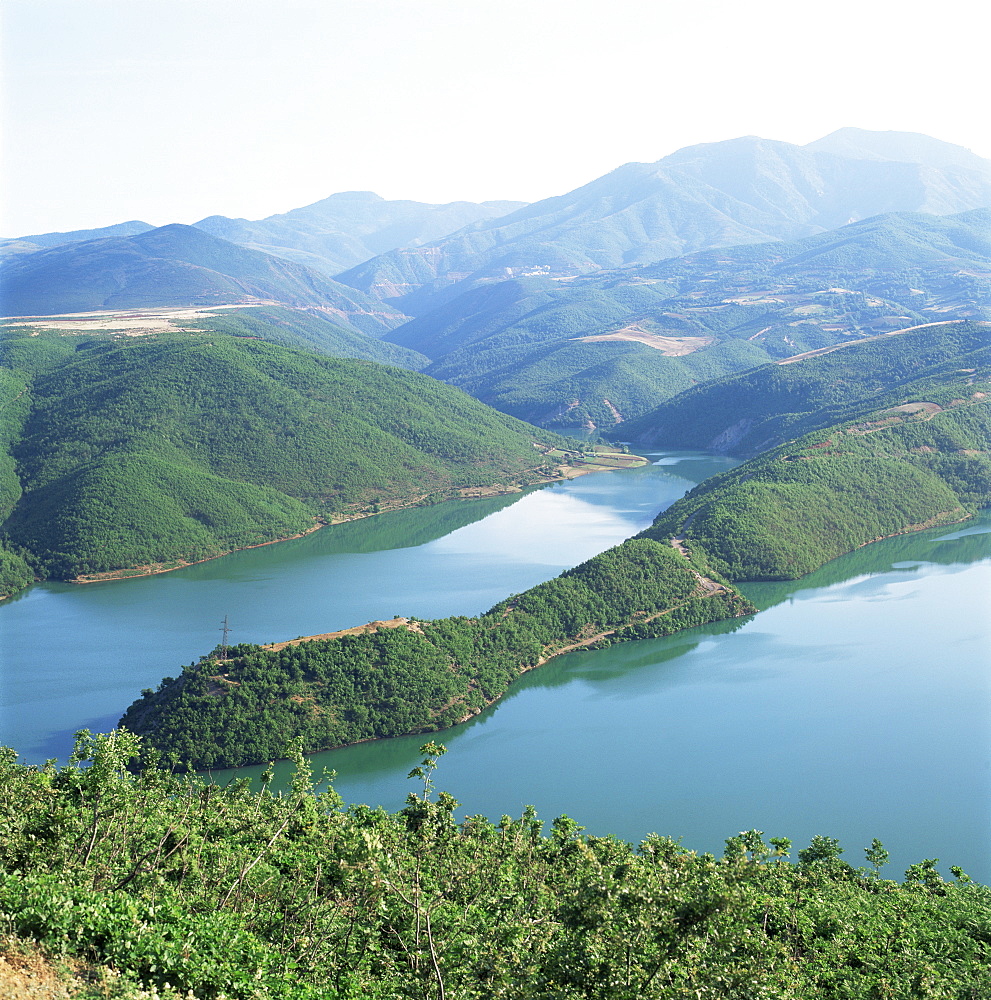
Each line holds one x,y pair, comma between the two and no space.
855,705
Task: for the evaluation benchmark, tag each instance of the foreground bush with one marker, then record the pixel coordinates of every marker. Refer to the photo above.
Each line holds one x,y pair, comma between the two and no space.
228,892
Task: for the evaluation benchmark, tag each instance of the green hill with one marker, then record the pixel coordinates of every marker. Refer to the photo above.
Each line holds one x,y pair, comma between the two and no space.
388,679
606,348
169,449
750,412
309,329
916,456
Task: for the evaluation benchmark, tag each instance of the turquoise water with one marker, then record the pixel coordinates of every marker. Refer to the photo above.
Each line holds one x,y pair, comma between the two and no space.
855,705
75,657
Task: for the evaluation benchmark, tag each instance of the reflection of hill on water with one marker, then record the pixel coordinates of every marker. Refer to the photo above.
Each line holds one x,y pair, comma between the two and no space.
404,529
598,665
945,546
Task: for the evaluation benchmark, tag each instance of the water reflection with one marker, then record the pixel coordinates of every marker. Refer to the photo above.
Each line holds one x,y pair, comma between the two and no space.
855,706
971,542
74,657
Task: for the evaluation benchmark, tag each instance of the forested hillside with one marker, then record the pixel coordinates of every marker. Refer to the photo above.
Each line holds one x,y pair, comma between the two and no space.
241,705
758,409
309,329
168,449
912,451
606,348
921,459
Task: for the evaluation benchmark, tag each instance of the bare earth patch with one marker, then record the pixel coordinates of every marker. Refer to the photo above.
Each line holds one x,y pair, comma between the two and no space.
673,347
916,408
357,630
129,322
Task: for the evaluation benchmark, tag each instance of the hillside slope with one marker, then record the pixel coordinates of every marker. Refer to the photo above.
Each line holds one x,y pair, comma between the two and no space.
759,409
914,454
309,329
169,449
173,265
608,347
224,890
348,228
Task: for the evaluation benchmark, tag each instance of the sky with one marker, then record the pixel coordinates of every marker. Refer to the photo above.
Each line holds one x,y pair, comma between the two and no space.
172,110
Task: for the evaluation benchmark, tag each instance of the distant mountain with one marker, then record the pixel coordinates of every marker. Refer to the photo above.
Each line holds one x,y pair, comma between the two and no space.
349,228
45,241
606,347
746,190
903,147
174,265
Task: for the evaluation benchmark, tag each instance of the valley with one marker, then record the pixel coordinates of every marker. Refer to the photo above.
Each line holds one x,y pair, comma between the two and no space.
769,615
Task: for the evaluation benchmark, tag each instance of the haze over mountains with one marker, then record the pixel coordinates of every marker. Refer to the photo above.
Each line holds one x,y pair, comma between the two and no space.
601,348
349,228
591,307
746,190
171,266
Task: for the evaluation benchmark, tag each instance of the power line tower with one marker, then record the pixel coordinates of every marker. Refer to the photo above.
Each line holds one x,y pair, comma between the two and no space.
226,629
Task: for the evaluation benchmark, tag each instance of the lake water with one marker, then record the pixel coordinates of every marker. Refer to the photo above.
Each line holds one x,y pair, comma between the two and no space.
855,705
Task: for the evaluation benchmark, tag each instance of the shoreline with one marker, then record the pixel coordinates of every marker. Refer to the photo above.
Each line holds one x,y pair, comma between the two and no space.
466,493
547,654
709,588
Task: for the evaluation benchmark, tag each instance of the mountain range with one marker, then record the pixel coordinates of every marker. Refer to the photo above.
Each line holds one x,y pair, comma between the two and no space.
605,347
592,307
746,190
348,228
172,266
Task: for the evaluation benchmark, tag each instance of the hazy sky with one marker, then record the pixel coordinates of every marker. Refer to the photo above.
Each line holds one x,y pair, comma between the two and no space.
171,110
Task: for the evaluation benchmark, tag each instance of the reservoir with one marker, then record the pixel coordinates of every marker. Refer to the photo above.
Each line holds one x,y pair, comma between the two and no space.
855,705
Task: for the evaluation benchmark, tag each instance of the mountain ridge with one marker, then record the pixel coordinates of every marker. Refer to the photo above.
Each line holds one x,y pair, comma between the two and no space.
579,352
349,227
713,194
174,265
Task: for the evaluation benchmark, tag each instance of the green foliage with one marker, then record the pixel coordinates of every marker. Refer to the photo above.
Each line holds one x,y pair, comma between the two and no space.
178,448
785,513
421,676
16,572
520,344
308,329
751,412
571,382
228,893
